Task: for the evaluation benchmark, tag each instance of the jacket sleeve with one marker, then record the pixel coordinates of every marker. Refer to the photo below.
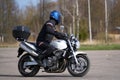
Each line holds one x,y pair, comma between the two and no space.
59,35
50,30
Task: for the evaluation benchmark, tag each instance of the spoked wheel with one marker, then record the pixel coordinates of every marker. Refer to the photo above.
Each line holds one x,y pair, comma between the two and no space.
27,71
81,69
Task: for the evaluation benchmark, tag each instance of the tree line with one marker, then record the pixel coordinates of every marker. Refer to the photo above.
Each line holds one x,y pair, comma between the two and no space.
74,17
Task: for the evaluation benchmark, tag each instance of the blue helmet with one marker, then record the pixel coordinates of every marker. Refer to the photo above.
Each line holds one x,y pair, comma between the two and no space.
56,15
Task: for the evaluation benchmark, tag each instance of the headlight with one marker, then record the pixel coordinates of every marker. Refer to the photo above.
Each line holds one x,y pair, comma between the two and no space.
74,41
77,44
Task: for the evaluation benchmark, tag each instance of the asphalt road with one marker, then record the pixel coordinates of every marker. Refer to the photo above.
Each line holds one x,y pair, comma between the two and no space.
105,65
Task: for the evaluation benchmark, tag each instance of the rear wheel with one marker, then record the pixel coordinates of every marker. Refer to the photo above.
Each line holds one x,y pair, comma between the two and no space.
81,69
27,71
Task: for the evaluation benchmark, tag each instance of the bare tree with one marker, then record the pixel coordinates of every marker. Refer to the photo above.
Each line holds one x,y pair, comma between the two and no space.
7,19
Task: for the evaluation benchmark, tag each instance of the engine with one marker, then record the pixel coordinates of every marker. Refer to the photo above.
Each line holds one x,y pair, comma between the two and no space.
52,63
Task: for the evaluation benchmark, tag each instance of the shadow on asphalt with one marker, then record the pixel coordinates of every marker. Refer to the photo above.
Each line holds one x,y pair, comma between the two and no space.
8,75
53,76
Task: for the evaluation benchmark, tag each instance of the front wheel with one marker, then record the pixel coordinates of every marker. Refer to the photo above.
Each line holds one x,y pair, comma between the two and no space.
81,69
27,71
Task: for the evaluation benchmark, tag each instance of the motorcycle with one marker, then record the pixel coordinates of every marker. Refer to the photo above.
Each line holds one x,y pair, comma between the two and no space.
65,57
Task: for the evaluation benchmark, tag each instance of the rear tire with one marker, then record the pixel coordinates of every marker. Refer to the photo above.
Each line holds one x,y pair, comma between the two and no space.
32,70
82,69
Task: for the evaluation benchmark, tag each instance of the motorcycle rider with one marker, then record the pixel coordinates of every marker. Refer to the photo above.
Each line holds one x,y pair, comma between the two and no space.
47,33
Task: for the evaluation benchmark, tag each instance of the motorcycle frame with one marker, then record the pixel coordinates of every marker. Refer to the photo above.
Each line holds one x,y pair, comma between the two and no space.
74,54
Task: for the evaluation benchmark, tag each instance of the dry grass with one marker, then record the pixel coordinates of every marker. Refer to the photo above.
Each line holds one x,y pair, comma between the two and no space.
5,45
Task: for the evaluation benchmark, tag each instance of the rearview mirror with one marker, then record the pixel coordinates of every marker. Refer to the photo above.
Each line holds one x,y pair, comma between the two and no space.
61,28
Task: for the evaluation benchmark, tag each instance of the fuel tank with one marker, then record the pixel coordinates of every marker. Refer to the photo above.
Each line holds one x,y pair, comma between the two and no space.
59,44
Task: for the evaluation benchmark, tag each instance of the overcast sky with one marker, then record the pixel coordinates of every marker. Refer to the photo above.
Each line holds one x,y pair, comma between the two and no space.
24,3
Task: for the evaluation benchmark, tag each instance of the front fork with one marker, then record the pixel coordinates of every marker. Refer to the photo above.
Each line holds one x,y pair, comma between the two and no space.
74,55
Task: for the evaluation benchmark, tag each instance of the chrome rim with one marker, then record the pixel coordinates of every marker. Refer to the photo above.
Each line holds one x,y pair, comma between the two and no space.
81,67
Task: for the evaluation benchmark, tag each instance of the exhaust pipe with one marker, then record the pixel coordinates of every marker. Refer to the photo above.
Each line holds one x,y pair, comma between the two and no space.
30,63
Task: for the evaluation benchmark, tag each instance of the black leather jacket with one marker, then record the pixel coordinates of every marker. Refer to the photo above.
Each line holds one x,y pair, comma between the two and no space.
48,32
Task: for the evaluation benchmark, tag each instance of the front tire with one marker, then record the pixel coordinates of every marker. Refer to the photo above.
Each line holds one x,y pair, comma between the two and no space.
82,69
27,71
